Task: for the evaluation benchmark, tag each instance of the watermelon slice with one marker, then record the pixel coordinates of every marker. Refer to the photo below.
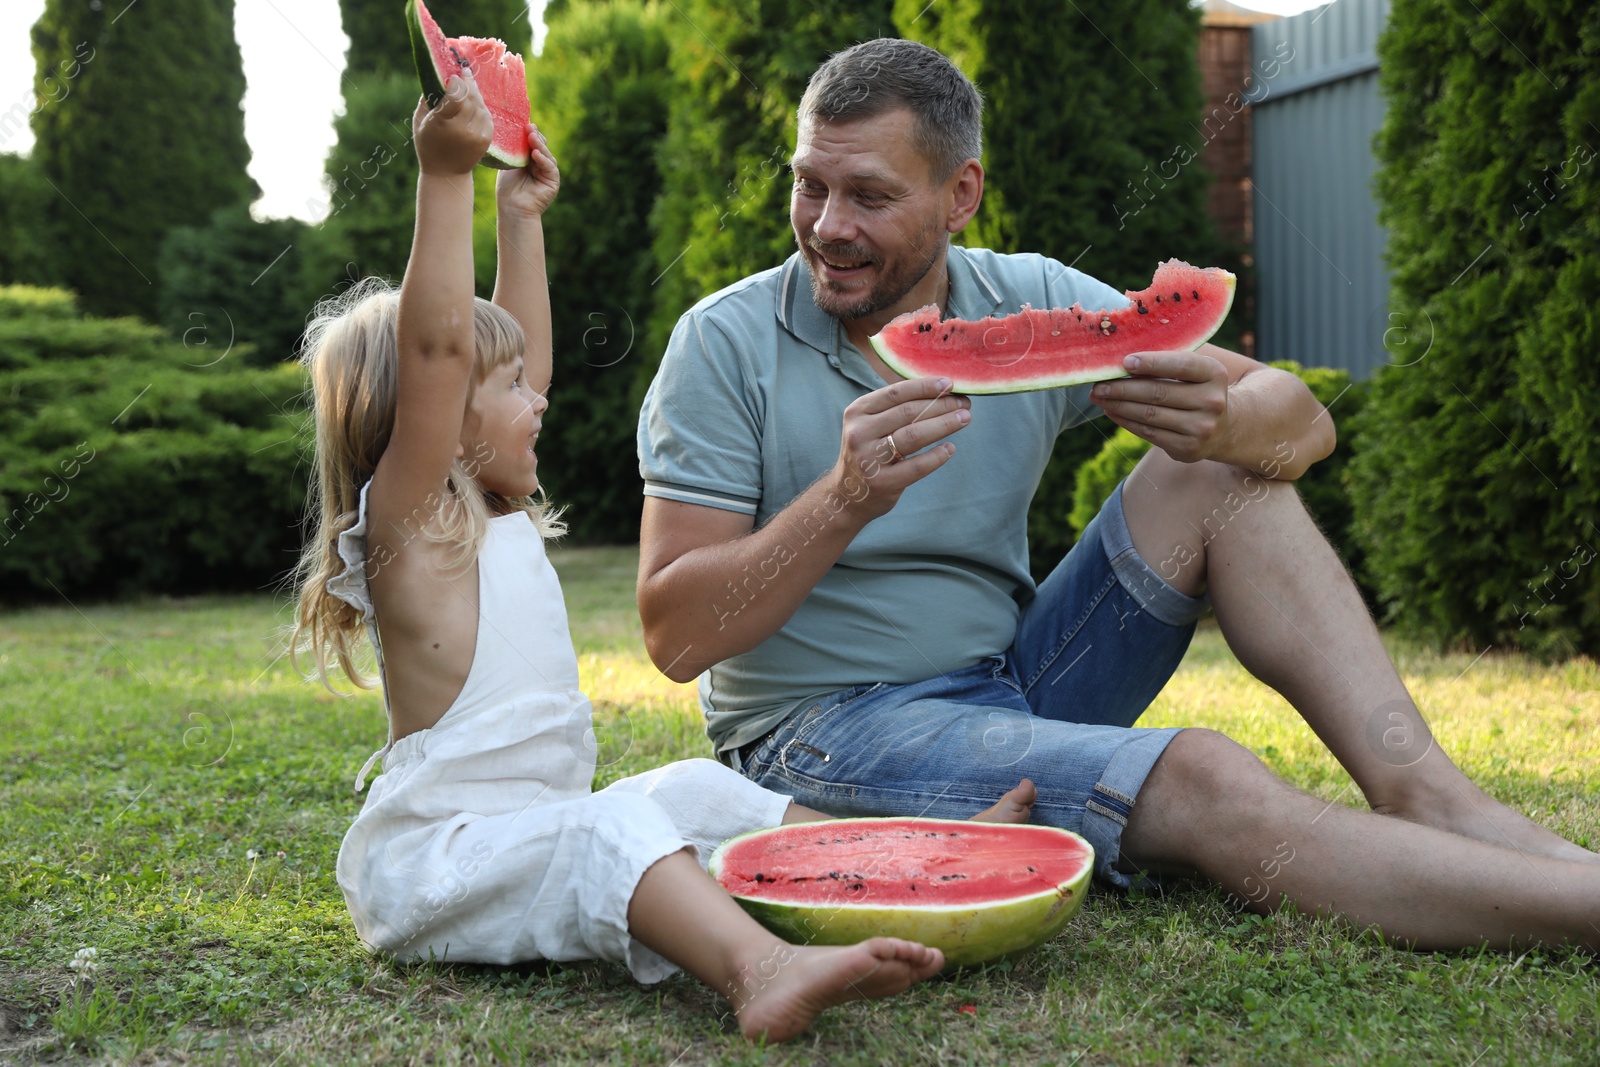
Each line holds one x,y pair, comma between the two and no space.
1054,347
499,74
976,891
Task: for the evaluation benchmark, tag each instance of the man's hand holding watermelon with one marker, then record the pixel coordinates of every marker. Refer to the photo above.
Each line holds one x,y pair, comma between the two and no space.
1186,404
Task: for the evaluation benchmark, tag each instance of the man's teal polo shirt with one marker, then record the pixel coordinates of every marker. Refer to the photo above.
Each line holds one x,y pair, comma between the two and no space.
745,414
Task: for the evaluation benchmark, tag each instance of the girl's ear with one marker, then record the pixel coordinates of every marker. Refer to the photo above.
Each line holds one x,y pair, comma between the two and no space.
461,450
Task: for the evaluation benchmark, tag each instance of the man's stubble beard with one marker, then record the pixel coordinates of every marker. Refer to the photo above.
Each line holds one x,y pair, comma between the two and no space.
888,291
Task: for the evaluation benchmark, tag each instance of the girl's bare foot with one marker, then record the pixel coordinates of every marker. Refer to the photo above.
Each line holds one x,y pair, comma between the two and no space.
805,981
1015,806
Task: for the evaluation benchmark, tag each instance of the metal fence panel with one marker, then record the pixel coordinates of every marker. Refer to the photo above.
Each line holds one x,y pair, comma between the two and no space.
1322,288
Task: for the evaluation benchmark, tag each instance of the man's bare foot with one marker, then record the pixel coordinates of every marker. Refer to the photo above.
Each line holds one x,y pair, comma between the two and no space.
1015,806
1462,808
805,981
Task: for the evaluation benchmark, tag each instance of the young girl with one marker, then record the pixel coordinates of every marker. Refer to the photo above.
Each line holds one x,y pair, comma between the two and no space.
481,840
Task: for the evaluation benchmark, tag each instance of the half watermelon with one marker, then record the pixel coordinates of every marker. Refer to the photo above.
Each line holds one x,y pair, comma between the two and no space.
500,75
976,891
1045,349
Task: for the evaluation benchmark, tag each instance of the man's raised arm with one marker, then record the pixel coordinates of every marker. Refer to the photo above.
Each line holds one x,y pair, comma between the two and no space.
692,558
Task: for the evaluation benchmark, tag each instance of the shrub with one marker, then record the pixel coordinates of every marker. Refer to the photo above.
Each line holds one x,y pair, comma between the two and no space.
233,283
132,467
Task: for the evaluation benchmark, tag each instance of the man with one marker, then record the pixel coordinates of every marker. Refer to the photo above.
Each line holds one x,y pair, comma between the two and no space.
846,560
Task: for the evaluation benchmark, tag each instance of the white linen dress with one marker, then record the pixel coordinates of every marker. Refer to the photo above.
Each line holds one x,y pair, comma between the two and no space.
481,840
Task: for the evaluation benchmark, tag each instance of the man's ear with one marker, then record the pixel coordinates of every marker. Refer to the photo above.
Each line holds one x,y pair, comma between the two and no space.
965,189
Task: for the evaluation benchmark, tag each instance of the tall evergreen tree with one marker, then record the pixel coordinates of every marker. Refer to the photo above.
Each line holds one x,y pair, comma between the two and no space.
600,94
380,42
371,173
1476,477
370,184
141,130
724,208
25,252
1092,137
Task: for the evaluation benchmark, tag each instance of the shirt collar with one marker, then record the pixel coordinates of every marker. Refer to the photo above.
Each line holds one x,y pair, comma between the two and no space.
972,296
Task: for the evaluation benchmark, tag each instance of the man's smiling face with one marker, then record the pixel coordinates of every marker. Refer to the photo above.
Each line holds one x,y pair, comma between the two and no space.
868,216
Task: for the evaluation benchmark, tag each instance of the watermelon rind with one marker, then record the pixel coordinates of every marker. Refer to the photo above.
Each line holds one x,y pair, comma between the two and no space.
967,934
1201,330
422,55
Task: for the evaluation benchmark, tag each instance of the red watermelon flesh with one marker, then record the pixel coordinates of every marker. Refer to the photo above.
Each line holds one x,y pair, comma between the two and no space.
501,77
1048,348
977,891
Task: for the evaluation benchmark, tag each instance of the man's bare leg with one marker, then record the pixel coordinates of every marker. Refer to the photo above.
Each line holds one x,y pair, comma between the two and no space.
1294,619
1264,838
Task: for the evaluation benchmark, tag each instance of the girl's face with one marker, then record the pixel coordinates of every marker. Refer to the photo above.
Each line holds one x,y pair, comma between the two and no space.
502,423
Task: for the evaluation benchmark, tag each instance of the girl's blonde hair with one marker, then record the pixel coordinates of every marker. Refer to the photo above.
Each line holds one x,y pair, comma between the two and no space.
352,352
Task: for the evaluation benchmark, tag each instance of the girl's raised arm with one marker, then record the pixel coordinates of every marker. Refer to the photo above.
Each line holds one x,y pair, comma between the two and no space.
520,284
436,315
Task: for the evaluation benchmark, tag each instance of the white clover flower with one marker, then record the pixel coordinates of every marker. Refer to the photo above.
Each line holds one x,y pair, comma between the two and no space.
84,962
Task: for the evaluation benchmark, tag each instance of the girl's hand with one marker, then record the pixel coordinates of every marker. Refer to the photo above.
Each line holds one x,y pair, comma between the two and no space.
527,193
453,136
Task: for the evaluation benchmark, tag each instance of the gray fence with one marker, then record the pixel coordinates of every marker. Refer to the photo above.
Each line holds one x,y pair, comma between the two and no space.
1322,295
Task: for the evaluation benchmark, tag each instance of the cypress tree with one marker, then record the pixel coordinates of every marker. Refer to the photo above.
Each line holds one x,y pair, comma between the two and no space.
140,130
724,207
25,253
600,94
371,173
380,42
370,184
1092,137
1476,478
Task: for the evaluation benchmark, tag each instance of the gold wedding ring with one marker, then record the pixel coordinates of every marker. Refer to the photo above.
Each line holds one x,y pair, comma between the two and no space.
895,455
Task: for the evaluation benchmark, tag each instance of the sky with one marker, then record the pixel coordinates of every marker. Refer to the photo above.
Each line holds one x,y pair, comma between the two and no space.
293,56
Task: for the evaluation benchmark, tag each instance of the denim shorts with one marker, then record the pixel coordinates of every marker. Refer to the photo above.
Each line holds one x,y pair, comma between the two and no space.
1092,651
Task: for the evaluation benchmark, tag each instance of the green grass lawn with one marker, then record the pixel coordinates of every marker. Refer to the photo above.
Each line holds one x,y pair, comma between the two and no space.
172,795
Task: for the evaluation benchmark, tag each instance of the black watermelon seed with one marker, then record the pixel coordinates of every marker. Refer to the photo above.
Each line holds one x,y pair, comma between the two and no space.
1112,328
1142,309
1158,298
760,877
1196,294
1030,868
1178,297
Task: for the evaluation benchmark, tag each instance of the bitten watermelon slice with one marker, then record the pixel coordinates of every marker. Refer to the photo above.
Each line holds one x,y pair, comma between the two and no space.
500,76
1044,349
977,891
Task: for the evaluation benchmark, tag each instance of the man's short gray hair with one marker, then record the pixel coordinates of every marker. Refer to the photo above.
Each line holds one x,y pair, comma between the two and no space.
874,77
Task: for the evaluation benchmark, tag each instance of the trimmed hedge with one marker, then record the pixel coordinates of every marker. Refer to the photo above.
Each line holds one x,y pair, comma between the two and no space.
131,466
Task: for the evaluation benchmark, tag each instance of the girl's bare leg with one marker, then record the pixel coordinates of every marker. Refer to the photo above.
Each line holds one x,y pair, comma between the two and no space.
775,988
